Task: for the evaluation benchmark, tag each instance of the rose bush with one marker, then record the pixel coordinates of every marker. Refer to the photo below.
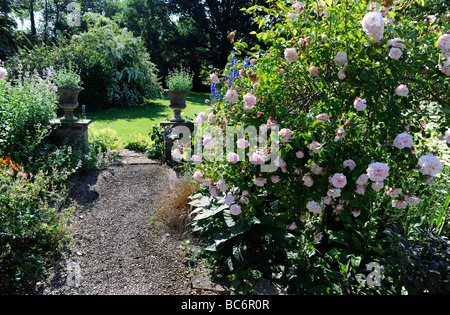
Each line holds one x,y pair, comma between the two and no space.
350,88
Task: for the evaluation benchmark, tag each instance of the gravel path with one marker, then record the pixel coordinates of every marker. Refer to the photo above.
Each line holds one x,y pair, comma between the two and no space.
118,247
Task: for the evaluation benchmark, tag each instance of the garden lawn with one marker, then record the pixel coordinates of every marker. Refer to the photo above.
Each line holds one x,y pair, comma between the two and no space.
139,119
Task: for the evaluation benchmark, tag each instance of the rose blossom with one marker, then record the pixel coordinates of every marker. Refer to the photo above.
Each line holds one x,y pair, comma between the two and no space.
378,172
323,117
256,159
334,192
350,164
360,189
212,118
373,25
359,104
362,180
395,43
394,192
235,209
318,237
208,142
430,165
399,203
229,199
250,100
447,136
233,157
3,73
395,53
213,191
327,200
242,143
341,58
286,134
403,140
201,118
198,176
314,207
292,226
299,154
377,185
290,54
214,78
314,146
196,159
316,169
313,71
412,200
223,186
444,44
259,181
308,181
338,180
275,179
231,96
402,90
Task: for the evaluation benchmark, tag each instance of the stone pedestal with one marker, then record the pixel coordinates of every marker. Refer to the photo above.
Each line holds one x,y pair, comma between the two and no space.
168,141
74,133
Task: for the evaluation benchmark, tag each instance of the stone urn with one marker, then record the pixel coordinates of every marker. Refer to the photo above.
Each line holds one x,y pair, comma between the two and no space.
177,103
68,101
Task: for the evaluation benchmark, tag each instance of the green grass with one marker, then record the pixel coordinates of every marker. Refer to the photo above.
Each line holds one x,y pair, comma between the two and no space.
139,119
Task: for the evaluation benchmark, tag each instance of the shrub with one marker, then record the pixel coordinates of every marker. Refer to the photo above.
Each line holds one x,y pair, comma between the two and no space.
179,79
344,97
156,149
30,230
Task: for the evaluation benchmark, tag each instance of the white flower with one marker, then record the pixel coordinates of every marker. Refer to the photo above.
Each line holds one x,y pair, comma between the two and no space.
395,53
259,181
235,209
378,172
290,54
214,78
338,180
242,143
223,186
373,25
403,140
229,199
362,180
201,118
350,164
231,96
377,185
314,207
198,176
341,58
430,165
360,104
402,90
395,43
3,73
412,200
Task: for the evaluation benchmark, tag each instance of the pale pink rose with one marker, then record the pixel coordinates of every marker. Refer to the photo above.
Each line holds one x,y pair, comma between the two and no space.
275,179
399,203
445,67
314,207
447,136
286,134
378,172
350,164
213,191
229,199
334,192
444,42
223,186
256,159
259,181
313,71
281,72
214,78
201,118
395,43
327,200
242,143
212,118
308,180
360,104
231,96
292,226
233,157
3,73
360,189
430,165
323,117
208,142
340,59
235,209
402,90
392,192
362,180
244,199
316,169
395,53
341,74
198,176
290,54
403,140
338,209
373,25
339,180
196,159
356,212
412,200
250,100
314,146
299,154
377,185
318,237
258,114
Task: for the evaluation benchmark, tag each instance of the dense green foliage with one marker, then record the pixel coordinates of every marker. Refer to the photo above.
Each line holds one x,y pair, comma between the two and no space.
341,98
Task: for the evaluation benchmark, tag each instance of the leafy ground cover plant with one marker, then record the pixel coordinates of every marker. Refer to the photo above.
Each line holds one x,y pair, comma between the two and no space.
179,80
349,88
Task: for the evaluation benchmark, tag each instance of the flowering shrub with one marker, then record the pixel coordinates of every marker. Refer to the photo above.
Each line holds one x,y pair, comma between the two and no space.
349,88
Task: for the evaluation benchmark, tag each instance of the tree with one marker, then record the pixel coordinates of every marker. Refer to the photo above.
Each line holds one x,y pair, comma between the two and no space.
7,26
